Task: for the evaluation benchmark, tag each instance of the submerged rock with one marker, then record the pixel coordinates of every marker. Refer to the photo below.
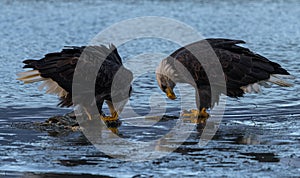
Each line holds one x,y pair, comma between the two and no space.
67,120
55,126
63,125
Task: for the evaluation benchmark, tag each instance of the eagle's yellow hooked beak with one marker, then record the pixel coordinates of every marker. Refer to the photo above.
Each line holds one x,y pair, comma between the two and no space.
170,94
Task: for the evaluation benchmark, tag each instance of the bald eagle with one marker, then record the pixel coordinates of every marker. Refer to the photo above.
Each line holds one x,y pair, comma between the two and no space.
57,69
243,71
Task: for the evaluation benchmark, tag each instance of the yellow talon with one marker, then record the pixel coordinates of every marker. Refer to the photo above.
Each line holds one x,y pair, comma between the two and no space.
114,117
203,113
112,122
114,130
190,113
194,116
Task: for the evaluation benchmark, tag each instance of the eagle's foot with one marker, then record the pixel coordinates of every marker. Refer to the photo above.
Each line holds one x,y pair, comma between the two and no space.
194,116
112,122
203,114
112,118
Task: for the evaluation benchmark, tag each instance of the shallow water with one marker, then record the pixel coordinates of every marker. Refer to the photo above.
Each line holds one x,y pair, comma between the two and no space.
258,136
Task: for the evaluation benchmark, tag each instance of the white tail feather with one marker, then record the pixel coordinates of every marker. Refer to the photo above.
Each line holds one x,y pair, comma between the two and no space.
255,87
275,78
265,84
279,80
51,89
284,76
27,75
33,79
51,86
44,84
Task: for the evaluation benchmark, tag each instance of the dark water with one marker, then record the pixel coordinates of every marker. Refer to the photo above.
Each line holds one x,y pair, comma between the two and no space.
259,134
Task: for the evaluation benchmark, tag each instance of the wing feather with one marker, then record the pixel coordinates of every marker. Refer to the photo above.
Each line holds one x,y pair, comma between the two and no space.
57,71
243,69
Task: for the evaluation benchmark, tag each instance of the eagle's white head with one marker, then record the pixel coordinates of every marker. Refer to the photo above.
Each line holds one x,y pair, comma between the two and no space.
169,72
165,76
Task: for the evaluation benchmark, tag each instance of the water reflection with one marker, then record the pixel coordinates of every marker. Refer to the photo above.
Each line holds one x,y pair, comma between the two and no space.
247,140
263,157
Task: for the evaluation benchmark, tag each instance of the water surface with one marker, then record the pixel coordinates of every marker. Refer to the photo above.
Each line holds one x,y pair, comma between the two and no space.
259,135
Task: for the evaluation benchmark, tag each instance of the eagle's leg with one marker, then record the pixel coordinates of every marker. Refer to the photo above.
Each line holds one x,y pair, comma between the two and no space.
200,116
113,112
203,114
112,121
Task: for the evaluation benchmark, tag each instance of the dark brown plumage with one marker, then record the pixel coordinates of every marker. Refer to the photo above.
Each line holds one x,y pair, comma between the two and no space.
57,72
59,67
243,69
